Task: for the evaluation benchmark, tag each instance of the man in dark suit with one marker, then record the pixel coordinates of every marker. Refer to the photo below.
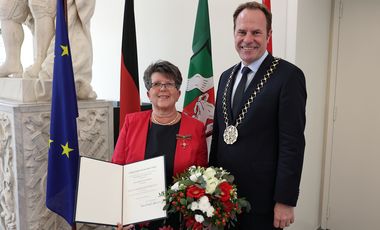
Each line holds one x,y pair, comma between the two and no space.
259,125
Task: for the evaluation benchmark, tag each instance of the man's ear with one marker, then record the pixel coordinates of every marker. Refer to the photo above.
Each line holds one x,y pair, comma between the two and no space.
269,35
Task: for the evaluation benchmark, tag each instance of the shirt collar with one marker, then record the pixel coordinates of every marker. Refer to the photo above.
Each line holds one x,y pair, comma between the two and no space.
254,66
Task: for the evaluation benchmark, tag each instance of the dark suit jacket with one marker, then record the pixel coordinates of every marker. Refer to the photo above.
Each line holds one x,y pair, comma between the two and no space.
267,158
131,143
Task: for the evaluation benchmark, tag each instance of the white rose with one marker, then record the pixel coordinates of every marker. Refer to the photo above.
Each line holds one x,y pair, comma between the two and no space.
204,204
211,185
194,206
209,173
210,211
199,218
193,178
175,186
203,199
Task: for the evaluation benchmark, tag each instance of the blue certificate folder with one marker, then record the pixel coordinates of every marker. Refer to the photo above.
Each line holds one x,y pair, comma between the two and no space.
110,193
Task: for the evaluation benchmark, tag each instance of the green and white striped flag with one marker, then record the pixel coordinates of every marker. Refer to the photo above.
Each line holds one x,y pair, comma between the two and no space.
199,97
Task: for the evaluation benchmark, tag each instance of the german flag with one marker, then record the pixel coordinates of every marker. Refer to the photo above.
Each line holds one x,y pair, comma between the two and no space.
129,79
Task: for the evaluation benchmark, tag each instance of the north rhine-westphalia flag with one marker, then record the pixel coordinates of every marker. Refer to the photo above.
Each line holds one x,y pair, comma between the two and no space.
269,47
129,79
63,156
199,98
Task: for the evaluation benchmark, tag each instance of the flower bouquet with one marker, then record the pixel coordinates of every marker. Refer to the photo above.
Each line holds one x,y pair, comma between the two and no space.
205,198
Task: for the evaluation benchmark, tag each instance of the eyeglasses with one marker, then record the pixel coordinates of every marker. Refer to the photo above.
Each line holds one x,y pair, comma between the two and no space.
159,85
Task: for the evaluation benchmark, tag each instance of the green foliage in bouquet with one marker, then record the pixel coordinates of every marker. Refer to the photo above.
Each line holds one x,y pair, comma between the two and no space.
206,198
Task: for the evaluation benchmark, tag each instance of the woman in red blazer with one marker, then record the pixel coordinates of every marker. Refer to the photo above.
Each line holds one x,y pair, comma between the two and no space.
162,130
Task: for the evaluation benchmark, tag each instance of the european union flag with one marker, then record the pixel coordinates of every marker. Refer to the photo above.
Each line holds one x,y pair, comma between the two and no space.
63,142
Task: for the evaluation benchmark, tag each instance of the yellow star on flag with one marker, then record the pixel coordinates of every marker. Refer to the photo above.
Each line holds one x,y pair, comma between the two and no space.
50,141
66,149
65,50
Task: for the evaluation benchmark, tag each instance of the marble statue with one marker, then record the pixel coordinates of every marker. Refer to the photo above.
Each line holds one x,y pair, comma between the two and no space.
39,15
12,14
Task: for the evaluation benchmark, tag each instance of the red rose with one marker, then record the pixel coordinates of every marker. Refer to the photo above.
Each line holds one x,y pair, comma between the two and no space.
192,224
228,206
189,222
225,191
195,192
197,226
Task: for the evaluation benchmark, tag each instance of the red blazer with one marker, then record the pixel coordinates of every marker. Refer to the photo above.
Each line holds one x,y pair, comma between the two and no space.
131,144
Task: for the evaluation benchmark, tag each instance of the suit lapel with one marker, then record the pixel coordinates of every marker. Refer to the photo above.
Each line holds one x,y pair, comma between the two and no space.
229,91
141,136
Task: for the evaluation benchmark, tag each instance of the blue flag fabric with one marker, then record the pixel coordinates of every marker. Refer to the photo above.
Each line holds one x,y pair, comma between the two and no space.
63,157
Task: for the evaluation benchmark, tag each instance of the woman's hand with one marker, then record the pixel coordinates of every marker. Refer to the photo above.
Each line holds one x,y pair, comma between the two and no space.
129,227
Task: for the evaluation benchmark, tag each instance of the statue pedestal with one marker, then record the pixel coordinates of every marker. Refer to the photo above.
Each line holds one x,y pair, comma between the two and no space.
24,134
25,90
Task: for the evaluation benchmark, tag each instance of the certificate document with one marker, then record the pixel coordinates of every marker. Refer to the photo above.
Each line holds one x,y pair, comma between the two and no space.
109,193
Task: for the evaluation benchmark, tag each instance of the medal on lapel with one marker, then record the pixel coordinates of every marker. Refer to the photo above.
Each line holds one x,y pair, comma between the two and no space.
183,140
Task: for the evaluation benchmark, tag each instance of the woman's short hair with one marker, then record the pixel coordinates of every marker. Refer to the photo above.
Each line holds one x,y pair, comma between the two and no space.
164,67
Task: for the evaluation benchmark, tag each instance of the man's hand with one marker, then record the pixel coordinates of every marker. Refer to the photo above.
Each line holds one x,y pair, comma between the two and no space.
283,215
